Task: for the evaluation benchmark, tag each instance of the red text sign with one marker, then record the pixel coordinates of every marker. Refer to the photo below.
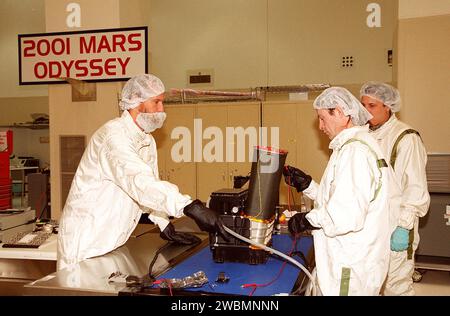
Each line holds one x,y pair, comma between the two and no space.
98,55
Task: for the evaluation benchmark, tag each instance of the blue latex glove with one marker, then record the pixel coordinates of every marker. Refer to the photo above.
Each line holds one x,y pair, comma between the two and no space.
400,239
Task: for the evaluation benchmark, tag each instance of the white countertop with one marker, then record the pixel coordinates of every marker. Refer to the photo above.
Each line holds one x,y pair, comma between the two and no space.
47,251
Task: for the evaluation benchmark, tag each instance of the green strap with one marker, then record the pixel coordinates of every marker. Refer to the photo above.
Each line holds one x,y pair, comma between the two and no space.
399,138
392,161
345,282
410,244
381,163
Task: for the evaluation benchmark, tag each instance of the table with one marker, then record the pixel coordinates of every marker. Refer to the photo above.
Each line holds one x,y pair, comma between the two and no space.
19,266
90,277
282,278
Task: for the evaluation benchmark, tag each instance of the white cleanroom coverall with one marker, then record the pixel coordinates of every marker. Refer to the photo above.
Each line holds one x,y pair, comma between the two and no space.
117,179
351,208
410,174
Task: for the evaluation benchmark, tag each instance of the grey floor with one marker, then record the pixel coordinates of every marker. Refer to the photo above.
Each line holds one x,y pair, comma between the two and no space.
433,283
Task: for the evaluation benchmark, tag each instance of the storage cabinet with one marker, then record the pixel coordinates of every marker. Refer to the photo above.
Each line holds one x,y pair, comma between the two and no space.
228,120
209,169
181,173
205,168
299,134
247,116
212,170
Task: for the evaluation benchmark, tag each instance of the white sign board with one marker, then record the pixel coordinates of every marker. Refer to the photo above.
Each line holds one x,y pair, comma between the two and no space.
95,55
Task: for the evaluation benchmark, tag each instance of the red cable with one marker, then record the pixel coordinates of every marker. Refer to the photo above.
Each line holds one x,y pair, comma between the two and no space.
255,286
289,194
169,285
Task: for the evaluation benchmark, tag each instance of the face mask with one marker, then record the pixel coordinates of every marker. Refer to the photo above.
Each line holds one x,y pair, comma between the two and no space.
150,121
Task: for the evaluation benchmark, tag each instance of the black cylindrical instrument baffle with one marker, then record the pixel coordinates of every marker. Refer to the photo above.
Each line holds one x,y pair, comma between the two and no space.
267,168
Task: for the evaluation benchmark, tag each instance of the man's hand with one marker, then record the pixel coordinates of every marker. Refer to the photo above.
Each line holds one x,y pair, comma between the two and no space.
206,218
169,233
298,224
296,178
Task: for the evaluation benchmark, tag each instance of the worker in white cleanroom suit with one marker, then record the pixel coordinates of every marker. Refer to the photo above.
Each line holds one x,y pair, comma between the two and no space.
118,179
350,218
404,148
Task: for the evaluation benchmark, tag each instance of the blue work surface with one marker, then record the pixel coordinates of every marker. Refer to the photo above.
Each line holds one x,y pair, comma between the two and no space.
242,273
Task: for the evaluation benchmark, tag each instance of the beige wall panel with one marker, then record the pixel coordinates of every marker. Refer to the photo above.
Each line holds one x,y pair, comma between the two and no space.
226,36
422,8
273,42
424,78
18,17
95,14
134,12
18,110
307,40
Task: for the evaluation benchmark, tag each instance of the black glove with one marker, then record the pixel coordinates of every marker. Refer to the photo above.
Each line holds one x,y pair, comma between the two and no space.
170,234
205,218
298,224
296,178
